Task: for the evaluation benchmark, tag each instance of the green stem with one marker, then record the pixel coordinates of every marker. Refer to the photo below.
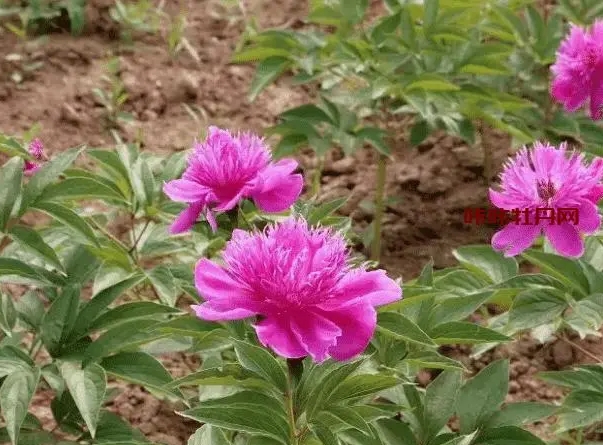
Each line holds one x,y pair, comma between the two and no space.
317,176
379,207
138,238
292,368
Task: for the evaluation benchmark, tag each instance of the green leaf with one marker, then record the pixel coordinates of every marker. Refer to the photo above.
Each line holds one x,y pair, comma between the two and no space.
458,308
395,432
32,241
431,82
267,71
507,435
482,396
80,188
419,132
112,428
432,360
208,435
163,281
465,333
440,402
77,19
350,418
307,112
325,210
535,307
8,314
246,411
361,386
98,304
399,326
188,325
260,53
11,175
376,138
12,267
81,264
123,336
587,315
111,160
487,263
260,361
131,311
143,183
87,387
580,409
15,395
354,10
521,413
141,369
11,147
46,175
589,377
564,269
231,374
67,217
324,434
317,387
430,14
60,318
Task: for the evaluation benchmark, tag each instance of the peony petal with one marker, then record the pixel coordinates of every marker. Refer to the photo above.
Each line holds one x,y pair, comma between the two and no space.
595,194
187,218
212,312
588,217
566,91
501,200
316,333
357,324
565,239
596,95
515,238
184,190
229,203
214,283
275,333
374,288
211,219
278,193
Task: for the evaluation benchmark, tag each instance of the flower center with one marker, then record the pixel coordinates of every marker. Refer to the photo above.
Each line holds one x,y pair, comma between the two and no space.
546,189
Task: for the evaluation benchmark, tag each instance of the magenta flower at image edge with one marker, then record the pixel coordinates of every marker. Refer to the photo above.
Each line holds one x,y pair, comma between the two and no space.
226,169
298,280
578,70
546,178
36,150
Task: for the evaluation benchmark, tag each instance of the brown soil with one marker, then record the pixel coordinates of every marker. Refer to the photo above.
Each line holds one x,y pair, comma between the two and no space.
428,186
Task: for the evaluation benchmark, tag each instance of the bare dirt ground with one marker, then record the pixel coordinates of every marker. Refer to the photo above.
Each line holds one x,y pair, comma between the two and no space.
428,186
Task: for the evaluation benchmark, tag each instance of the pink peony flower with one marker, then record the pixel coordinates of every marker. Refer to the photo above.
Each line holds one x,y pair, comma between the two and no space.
226,169
545,178
297,279
578,70
36,149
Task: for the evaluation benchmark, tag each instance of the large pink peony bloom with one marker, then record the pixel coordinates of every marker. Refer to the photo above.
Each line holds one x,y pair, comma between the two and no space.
298,281
36,149
578,70
546,178
226,169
